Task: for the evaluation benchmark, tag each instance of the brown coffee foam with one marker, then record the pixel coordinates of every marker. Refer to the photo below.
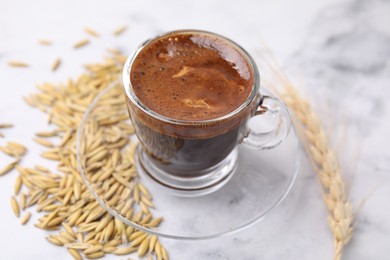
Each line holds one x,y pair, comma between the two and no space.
191,77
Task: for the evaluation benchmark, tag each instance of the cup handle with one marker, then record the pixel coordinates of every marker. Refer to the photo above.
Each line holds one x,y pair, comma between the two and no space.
267,140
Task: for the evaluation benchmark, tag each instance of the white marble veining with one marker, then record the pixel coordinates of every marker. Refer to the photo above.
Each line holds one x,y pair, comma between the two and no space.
339,50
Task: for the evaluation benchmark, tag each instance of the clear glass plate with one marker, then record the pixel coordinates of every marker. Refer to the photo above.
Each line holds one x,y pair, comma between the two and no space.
262,180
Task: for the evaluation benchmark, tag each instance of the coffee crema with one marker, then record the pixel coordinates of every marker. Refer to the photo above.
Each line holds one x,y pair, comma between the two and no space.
192,77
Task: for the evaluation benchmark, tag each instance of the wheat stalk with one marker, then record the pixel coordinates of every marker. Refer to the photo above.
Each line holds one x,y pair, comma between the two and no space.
317,146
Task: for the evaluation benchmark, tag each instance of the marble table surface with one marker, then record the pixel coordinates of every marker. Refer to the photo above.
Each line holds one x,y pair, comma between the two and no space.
339,50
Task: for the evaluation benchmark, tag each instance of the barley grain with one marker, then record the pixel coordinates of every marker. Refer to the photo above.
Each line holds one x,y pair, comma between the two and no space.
42,168
109,249
164,253
93,249
8,151
54,241
144,191
75,254
44,42
36,197
15,206
55,222
44,142
91,32
158,250
49,217
22,200
18,185
144,208
125,250
143,248
51,156
109,230
5,125
95,255
9,167
136,242
56,64
18,64
69,229
78,246
154,223
118,31
90,236
152,243
77,190
114,51
81,43
137,217
46,134
136,194
25,218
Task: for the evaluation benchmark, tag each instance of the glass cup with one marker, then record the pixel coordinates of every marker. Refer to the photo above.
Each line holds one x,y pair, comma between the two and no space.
191,158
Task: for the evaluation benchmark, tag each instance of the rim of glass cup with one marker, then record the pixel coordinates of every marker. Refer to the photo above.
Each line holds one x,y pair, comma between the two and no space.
131,95
157,231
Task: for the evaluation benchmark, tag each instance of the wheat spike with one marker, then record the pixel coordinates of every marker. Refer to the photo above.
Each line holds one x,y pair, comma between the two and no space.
317,146
333,186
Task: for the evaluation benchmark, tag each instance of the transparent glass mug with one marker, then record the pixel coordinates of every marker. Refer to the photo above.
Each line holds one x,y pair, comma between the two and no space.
191,158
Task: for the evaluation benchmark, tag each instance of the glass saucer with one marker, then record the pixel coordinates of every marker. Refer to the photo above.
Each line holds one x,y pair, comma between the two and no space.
261,181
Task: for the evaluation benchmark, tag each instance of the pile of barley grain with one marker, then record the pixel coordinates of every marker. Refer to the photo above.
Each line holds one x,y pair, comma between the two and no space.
66,205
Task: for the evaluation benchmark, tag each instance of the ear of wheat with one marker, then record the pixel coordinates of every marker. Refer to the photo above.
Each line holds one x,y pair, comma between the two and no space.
318,148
